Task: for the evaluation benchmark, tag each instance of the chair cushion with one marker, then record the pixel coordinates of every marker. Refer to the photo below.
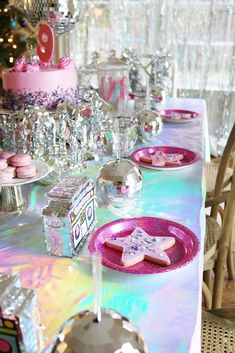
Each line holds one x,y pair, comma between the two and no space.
218,335
212,233
211,170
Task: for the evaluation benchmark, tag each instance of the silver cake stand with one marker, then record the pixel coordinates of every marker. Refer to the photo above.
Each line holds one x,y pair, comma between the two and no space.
12,198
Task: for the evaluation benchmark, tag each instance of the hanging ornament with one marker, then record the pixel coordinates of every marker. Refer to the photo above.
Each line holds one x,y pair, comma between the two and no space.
23,23
150,125
60,14
158,97
13,23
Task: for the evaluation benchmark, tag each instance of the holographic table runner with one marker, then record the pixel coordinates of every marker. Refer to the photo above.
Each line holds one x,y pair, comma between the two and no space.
166,307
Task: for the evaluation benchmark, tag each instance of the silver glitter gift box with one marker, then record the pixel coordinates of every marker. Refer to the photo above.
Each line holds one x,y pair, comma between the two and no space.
20,329
69,216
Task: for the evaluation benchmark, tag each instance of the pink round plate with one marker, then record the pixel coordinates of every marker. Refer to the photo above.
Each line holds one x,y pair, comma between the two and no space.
178,115
190,157
185,249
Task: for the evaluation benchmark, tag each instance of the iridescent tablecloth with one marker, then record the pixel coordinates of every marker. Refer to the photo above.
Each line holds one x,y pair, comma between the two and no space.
166,307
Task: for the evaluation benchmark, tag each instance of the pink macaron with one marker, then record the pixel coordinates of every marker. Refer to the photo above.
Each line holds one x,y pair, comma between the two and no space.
6,154
3,163
20,160
26,172
8,174
10,170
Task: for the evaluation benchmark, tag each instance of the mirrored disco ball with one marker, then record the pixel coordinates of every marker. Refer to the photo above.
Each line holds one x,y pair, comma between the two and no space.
114,334
119,182
150,125
60,14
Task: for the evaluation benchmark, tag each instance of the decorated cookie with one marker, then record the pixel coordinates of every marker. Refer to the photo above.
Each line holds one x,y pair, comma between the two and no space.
140,246
20,160
161,159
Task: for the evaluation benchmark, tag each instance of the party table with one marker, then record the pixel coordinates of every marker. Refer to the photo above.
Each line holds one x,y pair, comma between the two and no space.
167,306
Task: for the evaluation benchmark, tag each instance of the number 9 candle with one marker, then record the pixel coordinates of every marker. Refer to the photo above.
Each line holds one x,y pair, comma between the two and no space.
46,43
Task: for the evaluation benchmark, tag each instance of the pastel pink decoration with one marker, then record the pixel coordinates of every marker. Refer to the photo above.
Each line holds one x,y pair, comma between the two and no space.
19,65
140,246
47,79
45,48
65,63
30,67
123,88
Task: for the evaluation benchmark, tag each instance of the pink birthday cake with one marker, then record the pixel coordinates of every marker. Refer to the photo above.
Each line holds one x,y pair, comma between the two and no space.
30,83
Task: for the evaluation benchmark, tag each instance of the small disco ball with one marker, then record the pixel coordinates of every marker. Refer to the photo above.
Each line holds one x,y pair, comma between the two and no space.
60,14
150,125
119,182
158,97
113,334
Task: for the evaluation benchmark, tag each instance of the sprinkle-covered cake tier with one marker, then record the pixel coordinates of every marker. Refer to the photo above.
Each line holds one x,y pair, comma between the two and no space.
37,84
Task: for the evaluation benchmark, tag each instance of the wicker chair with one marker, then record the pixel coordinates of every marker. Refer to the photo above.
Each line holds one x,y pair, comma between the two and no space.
218,180
221,168
218,239
218,334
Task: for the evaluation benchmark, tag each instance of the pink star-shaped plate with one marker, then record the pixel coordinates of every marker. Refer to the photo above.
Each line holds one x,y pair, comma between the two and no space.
182,252
145,156
140,246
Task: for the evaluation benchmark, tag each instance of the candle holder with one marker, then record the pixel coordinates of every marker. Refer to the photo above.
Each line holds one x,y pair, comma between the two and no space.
127,134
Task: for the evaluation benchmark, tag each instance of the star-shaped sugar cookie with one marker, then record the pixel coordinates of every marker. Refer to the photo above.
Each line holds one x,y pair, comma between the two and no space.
161,159
140,246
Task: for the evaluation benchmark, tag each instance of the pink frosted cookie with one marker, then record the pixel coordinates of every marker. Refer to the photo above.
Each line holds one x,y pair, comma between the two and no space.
6,154
3,163
26,172
20,160
140,246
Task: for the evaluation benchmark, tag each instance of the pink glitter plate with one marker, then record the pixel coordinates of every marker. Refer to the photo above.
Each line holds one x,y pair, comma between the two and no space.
178,115
182,253
190,157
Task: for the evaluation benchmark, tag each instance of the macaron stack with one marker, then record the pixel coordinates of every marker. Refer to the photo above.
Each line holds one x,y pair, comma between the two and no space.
16,166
